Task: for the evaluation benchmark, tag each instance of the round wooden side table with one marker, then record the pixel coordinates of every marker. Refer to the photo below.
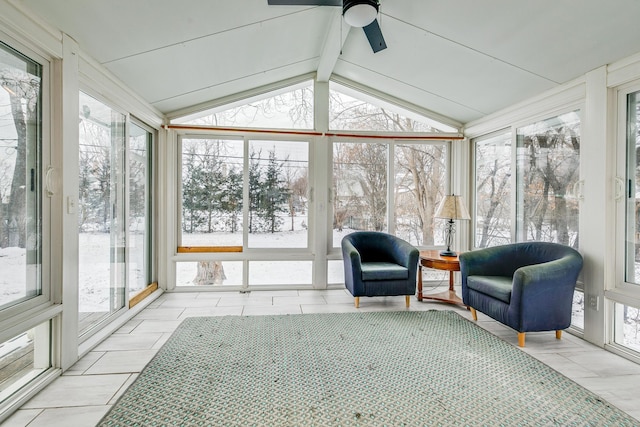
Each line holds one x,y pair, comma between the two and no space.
433,259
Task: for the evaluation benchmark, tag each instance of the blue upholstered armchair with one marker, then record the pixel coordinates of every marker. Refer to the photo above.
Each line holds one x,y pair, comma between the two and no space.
527,286
379,264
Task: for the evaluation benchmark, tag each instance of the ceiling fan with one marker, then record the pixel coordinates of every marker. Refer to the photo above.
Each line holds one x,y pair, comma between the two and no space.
357,13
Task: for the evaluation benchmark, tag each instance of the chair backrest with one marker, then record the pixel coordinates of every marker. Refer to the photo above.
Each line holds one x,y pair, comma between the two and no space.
374,246
529,253
504,260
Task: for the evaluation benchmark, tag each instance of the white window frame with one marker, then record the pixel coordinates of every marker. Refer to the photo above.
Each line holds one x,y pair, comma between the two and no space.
248,254
390,214
23,313
622,291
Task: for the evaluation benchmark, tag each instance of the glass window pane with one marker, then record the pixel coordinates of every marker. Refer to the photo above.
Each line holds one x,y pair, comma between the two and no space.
335,272
278,200
548,164
101,212
350,109
210,273
23,358
139,208
420,184
632,240
212,181
627,326
288,108
280,272
20,177
577,311
359,188
493,190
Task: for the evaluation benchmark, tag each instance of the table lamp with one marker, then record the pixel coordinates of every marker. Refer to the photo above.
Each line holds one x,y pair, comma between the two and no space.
452,207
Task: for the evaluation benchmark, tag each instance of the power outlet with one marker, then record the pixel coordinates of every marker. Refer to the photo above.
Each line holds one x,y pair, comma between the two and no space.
594,302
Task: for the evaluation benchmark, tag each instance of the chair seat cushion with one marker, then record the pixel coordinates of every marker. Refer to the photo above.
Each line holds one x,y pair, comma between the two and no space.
498,287
383,271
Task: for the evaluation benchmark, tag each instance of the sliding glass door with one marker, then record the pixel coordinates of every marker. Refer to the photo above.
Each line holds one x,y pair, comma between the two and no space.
139,217
20,178
25,343
101,212
627,316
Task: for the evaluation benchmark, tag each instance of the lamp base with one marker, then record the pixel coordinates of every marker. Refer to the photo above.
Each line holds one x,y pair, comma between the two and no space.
448,252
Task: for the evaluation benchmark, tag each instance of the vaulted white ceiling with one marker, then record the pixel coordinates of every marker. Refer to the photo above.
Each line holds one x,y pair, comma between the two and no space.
462,59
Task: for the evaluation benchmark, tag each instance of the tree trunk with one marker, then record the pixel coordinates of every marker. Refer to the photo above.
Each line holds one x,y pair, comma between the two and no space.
210,273
19,184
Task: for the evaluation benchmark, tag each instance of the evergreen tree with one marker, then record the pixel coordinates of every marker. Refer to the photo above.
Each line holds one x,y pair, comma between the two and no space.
255,191
202,187
190,196
210,189
231,199
275,195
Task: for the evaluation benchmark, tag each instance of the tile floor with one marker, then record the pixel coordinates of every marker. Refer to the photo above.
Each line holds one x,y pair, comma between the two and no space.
83,394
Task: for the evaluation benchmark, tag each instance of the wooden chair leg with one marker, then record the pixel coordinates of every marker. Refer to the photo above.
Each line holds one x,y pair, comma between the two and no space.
357,302
520,339
407,300
474,314
558,335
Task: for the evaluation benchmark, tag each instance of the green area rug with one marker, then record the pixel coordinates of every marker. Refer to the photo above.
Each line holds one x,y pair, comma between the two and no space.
430,368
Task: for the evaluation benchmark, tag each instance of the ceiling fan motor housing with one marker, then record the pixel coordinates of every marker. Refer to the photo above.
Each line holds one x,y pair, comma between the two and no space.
360,13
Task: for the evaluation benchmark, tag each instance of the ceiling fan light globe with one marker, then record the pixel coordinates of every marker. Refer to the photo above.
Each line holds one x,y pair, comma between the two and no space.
360,13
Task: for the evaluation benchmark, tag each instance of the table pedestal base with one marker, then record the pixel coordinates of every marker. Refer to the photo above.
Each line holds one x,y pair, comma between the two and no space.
446,296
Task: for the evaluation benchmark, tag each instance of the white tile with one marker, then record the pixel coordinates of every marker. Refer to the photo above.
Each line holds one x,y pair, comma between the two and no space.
21,418
157,326
117,362
269,293
83,416
124,388
163,339
326,308
173,296
605,363
323,292
215,294
84,363
159,314
245,301
235,310
563,365
319,299
193,302
128,327
635,413
84,390
129,342
419,306
339,298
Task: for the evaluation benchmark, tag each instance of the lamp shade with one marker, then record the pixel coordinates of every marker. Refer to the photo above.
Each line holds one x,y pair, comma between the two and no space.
360,13
452,207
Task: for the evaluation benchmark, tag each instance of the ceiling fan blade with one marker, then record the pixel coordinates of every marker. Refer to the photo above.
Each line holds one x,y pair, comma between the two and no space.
374,34
305,2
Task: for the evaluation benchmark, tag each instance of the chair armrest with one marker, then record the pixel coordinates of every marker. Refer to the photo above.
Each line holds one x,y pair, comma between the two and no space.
351,256
536,281
352,267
